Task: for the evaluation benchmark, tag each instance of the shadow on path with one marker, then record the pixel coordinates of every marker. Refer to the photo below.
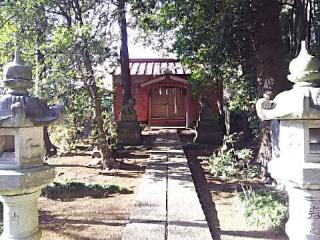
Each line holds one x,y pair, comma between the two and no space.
205,199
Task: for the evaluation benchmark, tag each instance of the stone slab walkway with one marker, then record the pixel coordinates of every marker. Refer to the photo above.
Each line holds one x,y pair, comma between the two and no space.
167,205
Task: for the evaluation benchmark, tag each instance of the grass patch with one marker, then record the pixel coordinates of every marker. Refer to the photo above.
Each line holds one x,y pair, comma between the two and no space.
74,189
264,207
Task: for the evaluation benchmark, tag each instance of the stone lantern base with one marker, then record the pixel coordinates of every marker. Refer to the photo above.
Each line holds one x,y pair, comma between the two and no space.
304,209
21,217
19,194
129,132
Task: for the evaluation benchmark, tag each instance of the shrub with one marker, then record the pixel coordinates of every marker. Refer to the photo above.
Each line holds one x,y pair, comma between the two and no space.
73,189
264,207
233,164
63,137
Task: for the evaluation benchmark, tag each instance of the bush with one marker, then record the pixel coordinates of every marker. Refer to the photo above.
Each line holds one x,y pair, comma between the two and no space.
264,207
73,189
233,164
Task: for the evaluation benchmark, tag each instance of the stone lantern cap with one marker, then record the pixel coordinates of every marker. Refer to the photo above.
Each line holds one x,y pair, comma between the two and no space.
301,102
17,108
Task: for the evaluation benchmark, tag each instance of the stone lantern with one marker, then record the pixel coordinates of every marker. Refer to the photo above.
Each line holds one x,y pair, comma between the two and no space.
22,171
296,143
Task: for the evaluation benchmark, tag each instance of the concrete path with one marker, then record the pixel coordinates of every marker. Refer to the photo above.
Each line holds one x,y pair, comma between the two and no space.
167,205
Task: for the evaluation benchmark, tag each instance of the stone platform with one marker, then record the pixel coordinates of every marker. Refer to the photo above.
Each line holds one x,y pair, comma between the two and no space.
167,205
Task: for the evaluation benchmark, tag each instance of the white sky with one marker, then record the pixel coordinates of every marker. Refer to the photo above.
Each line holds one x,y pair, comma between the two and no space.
137,50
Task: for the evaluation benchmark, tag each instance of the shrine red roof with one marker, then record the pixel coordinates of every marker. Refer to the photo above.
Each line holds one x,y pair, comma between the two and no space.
155,66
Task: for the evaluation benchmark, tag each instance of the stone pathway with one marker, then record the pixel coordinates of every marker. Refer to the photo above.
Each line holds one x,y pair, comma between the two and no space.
167,205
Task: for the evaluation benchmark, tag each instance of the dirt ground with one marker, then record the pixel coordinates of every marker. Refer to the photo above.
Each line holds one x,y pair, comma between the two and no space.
89,218
104,218
219,200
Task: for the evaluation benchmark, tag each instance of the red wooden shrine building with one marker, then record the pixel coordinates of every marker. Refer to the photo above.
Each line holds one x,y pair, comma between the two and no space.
162,93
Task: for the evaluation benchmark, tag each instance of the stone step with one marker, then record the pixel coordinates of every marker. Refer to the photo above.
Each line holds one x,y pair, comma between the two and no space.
186,220
148,220
167,205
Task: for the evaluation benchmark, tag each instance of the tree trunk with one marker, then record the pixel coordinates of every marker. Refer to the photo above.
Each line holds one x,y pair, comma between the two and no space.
107,160
124,53
40,31
90,83
271,66
51,149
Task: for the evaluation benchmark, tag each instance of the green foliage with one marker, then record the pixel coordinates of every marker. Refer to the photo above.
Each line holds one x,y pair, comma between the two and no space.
264,207
74,189
233,164
63,137
213,38
66,136
243,95
110,127
68,45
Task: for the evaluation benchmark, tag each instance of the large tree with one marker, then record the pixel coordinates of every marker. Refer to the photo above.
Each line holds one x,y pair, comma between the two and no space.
272,68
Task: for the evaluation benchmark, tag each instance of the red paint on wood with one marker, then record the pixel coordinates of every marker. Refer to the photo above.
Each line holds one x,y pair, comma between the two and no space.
141,95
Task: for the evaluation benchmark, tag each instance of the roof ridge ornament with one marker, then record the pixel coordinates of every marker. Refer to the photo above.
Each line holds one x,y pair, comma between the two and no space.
17,57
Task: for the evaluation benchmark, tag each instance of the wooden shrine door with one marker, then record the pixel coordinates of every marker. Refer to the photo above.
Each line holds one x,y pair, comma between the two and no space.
167,106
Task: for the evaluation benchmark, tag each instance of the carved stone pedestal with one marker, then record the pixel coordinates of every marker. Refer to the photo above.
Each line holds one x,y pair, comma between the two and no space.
21,217
209,128
209,132
129,132
128,128
304,208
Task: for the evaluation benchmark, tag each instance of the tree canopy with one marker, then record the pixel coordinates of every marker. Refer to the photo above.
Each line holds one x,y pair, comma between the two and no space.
68,42
219,39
